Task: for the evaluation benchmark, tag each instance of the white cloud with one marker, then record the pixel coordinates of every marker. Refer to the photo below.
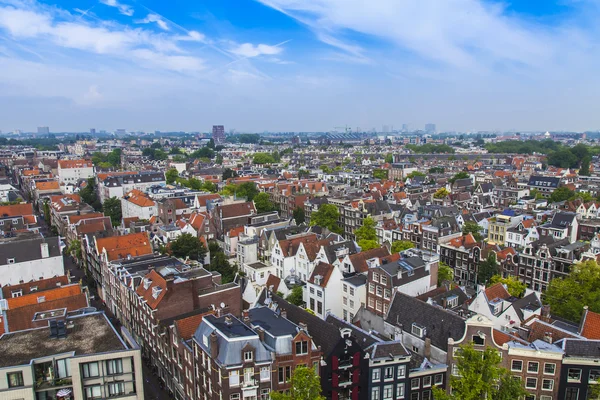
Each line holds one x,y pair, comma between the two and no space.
250,50
151,49
123,8
154,18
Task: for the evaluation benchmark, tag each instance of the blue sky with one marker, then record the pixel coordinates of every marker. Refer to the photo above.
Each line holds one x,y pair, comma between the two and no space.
299,65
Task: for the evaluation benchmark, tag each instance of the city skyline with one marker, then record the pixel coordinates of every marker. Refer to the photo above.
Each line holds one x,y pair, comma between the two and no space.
285,65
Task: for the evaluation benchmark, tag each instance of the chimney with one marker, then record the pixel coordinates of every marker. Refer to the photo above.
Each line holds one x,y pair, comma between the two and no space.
214,346
246,315
303,326
283,314
445,302
545,312
44,249
261,334
427,350
583,317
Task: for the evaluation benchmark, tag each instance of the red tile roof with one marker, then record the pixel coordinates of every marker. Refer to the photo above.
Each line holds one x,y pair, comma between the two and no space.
156,281
273,281
496,291
187,326
65,164
16,210
119,247
49,185
323,270
42,284
139,198
359,260
591,325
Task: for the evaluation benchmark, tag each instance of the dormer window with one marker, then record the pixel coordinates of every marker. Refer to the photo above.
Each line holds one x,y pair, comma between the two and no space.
11,261
156,291
418,330
147,283
248,356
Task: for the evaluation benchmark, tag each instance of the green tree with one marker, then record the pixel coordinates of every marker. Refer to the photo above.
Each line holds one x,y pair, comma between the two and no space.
327,217
89,196
414,174
305,385
74,249
445,273
561,194
295,297
401,245
112,209
567,296
47,216
487,268
299,215
515,287
302,173
263,158
366,245
171,176
219,159
247,190
229,173
211,144
480,376
204,152
114,158
436,170
221,264
389,158
441,193
380,174
460,175
188,245
585,166
367,231
563,159
263,203
474,229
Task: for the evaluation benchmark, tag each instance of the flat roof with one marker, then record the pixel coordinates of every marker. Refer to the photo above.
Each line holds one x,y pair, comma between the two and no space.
91,334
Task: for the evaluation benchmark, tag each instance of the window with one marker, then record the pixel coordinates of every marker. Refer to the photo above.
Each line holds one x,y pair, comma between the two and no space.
11,260
264,394
376,375
531,383
388,392
302,347
63,369
93,392
545,397
417,330
319,307
375,276
426,395
116,389
375,393
248,375
572,394
426,381
371,288
234,378
549,368
388,373
415,383
351,291
90,370
379,291
517,365
401,371
455,370
414,396
265,373
281,375
594,375
574,375
247,356
533,367
400,391
345,288
114,367
17,293
15,379
547,384
383,280
478,340
312,290
438,379
235,396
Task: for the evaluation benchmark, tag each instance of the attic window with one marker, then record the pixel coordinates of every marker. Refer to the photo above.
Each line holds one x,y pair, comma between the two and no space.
147,283
156,291
41,299
11,260
417,330
33,288
17,293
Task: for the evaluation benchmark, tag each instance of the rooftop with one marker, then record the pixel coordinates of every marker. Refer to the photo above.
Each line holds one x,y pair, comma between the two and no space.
90,334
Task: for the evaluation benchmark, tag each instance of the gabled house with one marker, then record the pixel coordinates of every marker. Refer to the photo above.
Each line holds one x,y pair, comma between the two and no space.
322,291
562,225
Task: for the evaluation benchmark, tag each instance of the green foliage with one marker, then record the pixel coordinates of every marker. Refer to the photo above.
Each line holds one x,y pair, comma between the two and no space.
488,268
188,245
367,230
474,229
561,194
229,173
437,170
523,147
303,173
441,193
299,215
247,138
175,150
156,146
305,385
366,245
263,158
585,166
219,159
325,169
155,154
171,176
74,249
515,287
204,152
380,174
47,216
110,160
220,264
567,296
401,245
295,297
414,174
89,196
263,203
480,376
327,217
460,175
563,159
429,148
389,158
536,194
445,273
112,209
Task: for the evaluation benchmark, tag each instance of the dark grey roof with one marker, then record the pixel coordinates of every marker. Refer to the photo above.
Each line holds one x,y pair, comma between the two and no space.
582,348
28,249
530,302
271,322
465,182
563,219
386,349
545,181
356,280
439,324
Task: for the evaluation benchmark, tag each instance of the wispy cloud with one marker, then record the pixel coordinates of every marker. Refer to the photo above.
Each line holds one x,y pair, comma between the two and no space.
154,18
123,8
249,50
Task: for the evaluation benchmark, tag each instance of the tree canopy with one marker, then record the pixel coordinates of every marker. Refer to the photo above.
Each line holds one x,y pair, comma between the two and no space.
480,376
89,196
305,385
441,193
474,229
327,217
567,296
445,273
296,296
171,176
561,194
460,175
112,209
487,268
515,287
188,245
299,215
263,203
263,158
367,230
401,245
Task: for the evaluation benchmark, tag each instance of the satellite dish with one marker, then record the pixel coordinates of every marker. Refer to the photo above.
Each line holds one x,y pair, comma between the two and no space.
222,305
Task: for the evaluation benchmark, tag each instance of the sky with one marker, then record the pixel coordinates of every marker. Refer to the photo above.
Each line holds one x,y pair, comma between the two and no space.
299,65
